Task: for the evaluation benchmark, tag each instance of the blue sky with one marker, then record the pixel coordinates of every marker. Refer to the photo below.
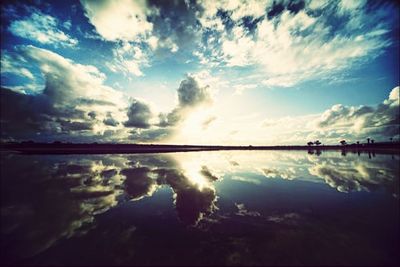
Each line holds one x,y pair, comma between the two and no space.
200,72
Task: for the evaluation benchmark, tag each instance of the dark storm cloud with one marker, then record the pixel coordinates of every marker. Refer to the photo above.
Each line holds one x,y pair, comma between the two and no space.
139,115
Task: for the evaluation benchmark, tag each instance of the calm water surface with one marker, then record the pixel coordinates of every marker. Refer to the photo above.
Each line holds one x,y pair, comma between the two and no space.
201,208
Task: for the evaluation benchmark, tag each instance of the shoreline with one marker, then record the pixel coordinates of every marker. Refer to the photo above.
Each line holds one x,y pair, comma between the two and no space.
65,148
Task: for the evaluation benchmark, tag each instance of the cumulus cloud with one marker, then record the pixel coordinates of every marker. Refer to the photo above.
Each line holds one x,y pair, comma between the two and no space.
191,95
290,43
352,123
141,30
75,102
41,28
139,115
72,99
363,120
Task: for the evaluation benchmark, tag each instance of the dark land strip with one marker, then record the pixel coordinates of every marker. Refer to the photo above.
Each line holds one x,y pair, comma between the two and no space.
95,148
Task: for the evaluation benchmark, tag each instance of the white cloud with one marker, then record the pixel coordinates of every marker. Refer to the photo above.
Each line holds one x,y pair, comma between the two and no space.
291,47
129,58
42,28
74,98
10,65
382,120
237,8
339,122
123,20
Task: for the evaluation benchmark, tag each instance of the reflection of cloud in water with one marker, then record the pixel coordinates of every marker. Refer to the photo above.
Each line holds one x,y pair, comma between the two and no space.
287,218
138,182
46,198
59,197
191,200
288,174
54,201
246,179
357,175
242,211
194,195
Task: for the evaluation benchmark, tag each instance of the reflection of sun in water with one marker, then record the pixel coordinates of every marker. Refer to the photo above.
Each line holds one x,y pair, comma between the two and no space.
192,170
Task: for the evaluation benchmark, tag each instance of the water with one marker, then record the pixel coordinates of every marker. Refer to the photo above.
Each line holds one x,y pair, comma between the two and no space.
200,208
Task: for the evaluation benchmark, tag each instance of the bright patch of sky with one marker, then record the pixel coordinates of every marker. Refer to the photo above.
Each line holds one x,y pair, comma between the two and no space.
201,72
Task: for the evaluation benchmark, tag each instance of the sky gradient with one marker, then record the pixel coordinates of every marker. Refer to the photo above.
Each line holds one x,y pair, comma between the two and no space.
257,72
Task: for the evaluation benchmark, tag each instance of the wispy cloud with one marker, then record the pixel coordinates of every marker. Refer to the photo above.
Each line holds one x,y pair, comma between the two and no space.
42,28
292,44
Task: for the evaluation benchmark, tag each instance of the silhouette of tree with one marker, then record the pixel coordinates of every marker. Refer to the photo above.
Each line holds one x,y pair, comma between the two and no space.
368,140
310,143
317,143
358,142
372,141
343,142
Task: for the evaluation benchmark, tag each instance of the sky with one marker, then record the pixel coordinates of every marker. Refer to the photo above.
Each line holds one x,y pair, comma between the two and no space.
256,72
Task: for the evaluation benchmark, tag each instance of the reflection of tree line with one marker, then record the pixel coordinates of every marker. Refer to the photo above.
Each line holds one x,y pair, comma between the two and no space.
44,201
344,152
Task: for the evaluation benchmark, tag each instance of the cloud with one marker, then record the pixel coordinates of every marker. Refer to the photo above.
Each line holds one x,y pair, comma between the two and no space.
352,123
150,135
190,94
16,67
291,44
75,103
128,58
206,123
139,115
41,28
72,99
363,120
119,20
